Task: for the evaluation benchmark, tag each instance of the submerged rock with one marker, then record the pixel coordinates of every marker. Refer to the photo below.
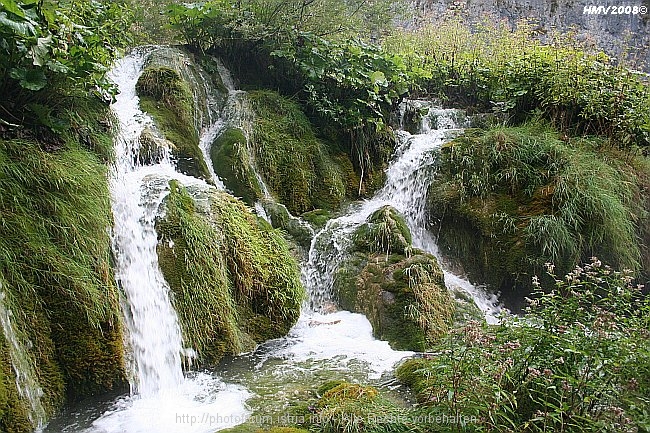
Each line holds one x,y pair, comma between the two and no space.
153,148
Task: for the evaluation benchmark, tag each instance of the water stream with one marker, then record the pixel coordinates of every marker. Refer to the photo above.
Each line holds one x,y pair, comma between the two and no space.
324,344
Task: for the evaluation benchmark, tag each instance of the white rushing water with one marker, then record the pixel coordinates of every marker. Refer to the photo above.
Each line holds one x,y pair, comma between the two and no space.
408,178
162,399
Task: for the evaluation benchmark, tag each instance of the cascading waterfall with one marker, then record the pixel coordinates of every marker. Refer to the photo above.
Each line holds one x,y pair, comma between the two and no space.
162,398
322,345
151,321
407,180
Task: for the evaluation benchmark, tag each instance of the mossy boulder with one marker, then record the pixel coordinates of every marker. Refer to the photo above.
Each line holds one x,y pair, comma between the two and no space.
348,407
168,98
385,231
302,171
317,217
399,288
233,280
232,162
300,231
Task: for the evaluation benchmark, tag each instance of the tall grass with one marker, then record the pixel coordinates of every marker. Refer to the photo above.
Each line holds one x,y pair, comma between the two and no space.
566,200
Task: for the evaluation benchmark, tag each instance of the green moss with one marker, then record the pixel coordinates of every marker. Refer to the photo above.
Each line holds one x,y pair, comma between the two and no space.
317,217
232,163
351,407
509,200
55,262
279,215
413,373
234,281
170,102
386,231
14,411
404,297
298,168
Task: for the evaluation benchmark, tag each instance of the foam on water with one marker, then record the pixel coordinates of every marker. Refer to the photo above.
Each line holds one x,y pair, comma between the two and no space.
200,404
341,338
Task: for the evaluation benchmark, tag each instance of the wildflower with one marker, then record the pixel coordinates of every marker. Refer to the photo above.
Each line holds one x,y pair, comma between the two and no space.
536,281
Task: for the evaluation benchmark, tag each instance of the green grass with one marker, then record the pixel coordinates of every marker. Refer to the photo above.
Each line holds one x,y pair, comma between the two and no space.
234,281
55,262
540,198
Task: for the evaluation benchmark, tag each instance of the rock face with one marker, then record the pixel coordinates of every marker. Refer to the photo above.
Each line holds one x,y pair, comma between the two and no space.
618,34
399,288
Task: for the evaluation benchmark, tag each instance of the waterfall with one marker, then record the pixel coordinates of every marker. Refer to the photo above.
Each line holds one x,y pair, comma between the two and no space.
407,181
26,379
152,324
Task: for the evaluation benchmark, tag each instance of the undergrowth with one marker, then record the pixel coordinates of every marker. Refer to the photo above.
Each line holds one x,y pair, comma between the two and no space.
542,197
577,361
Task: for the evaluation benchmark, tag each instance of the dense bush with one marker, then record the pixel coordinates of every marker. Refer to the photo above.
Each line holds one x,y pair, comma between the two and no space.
49,49
513,72
577,361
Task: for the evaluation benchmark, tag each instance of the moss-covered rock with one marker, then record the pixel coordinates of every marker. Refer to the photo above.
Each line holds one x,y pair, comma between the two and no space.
385,231
509,200
232,162
55,273
302,171
233,280
170,102
317,217
400,289
300,231
354,408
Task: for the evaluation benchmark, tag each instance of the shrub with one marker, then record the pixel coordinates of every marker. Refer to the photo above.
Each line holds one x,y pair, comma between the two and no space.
576,361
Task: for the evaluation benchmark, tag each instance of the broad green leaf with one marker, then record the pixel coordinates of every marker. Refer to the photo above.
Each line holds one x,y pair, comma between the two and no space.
30,79
13,7
22,28
378,78
41,51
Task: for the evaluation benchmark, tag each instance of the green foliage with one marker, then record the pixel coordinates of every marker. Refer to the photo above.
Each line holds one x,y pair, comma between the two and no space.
577,361
514,73
350,82
540,199
234,282
213,23
51,46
